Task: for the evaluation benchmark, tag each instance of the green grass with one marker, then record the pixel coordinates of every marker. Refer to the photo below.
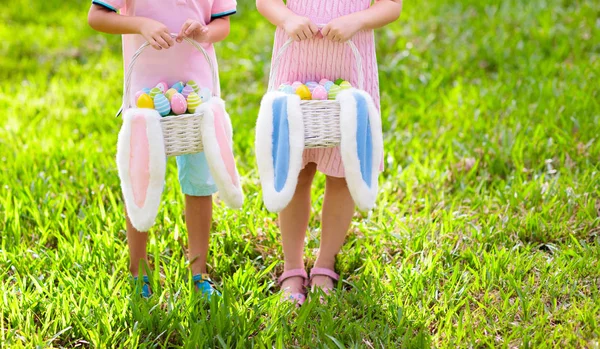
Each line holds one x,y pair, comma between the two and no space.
485,233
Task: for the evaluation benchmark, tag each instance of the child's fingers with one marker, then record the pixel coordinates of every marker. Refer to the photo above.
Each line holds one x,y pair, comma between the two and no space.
184,27
314,29
325,31
168,39
192,28
154,44
161,42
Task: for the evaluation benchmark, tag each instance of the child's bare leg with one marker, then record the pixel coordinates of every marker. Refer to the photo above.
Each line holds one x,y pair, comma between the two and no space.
338,209
198,218
136,241
293,221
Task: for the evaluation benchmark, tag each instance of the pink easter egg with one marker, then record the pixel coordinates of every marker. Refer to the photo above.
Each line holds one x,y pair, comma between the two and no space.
138,94
187,90
319,93
178,104
323,82
162,86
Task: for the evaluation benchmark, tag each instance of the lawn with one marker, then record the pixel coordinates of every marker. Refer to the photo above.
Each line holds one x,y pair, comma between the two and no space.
485,233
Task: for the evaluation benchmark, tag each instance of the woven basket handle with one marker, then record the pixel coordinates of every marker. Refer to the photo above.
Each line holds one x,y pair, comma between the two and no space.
284,47
127,92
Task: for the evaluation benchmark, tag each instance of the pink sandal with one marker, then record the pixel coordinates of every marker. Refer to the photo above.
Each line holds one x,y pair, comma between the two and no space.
297,298
324,272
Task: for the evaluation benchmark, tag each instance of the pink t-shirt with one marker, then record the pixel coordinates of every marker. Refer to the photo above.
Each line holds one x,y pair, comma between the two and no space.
181,62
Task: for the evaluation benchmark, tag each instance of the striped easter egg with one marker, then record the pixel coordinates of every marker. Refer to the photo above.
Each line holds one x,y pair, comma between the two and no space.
178,86
155,91
187,90
162,105
345,85
194,85
146,90
193,102
333,91
170,92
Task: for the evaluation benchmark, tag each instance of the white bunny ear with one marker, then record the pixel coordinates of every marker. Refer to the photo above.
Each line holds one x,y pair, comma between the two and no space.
361,145
141,162
279,147
218,148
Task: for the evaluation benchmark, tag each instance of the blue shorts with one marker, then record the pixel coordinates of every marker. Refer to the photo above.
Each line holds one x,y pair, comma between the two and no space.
194,175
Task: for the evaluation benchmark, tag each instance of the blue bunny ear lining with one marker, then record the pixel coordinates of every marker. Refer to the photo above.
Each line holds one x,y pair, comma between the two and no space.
279,147
361,145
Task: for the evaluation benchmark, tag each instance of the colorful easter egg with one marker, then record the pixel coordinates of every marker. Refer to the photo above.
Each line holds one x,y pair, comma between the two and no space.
170,92
145,101
205,94
194,85
319,93
328,85
146,90
288,90
283,87
178,86
178,104
333,91
296,84
303,92
193,102
345,85
311,85
187,90
155,91
162,105
339,81
162,86
138,94
323,82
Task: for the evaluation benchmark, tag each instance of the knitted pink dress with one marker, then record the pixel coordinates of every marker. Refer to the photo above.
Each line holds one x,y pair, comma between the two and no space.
316,59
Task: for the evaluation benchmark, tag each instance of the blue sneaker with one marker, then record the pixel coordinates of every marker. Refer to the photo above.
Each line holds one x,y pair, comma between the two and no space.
205,285
145,292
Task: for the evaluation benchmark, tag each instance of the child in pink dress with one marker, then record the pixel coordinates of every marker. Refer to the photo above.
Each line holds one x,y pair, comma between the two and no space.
320,29
172,60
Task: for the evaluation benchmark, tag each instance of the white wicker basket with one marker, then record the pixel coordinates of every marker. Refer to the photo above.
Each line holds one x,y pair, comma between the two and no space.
181,132
321,118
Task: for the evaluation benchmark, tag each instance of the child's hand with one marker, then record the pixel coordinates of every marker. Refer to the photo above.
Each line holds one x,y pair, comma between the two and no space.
157,34
194,30
341,29
300,28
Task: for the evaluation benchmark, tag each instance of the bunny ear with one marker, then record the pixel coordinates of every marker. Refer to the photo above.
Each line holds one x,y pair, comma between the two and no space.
279,148
141,162
217,140
361,145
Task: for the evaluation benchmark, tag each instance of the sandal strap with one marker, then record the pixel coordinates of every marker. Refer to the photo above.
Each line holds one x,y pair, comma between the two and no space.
293,273
324,272
202,277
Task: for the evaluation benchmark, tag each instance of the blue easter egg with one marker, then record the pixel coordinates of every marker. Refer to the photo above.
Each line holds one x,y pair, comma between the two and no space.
162,105
328,85
178,86
288,90
146,90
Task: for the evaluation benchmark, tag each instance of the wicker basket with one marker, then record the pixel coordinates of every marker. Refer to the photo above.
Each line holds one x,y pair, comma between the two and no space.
321,117
181,132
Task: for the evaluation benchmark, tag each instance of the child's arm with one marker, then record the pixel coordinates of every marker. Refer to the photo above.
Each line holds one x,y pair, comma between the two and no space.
382,13
105,20
217,30
296,27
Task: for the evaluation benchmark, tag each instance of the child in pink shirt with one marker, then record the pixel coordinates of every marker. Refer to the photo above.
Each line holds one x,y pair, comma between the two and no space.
207,22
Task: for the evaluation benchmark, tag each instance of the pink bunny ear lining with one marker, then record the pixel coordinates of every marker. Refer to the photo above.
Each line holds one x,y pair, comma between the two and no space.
224,144
139,160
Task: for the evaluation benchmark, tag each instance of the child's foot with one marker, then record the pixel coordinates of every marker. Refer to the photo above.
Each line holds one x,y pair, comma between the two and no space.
145,289
323,279
293,285
205,285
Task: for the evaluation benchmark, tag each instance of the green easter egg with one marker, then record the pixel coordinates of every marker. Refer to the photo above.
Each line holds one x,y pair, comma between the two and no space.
345,85
193,102
194,85
334,91
154,92
339,81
